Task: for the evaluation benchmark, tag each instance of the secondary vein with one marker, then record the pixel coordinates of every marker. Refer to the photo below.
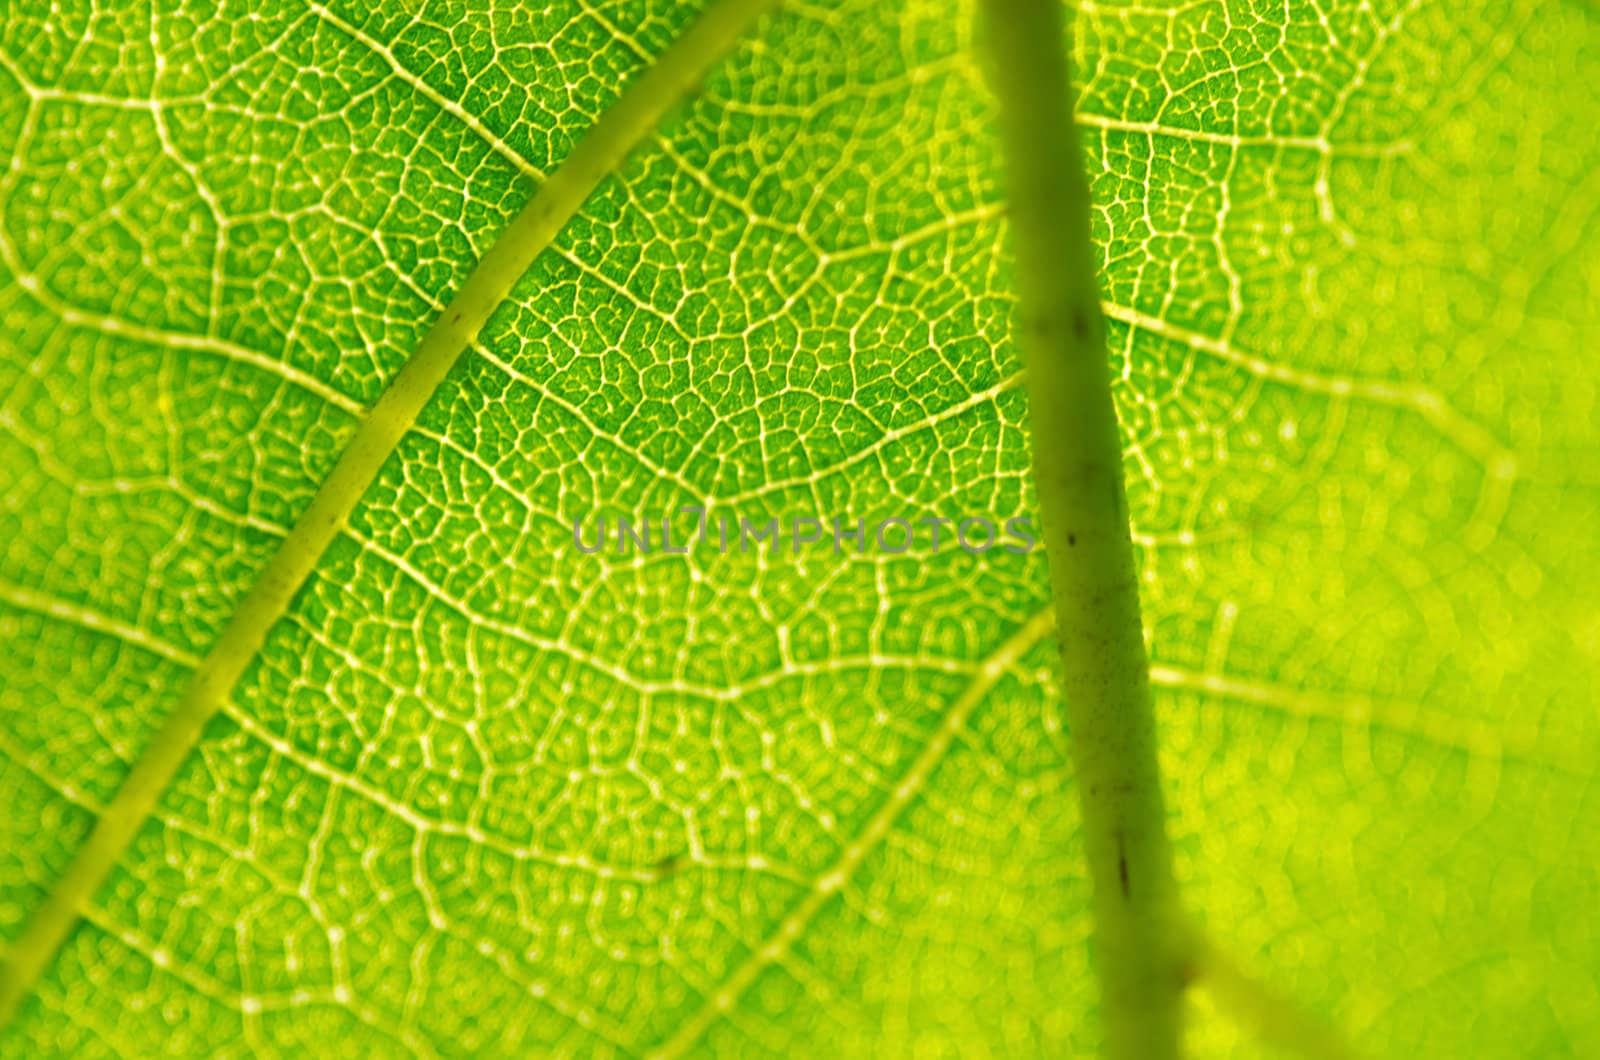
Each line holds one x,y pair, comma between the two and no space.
1140,948
640,109
837,876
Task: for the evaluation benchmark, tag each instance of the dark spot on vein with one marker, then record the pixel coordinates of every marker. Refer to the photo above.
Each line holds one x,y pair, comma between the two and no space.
1122,865
1072,539
1188,970
1080,326
665,867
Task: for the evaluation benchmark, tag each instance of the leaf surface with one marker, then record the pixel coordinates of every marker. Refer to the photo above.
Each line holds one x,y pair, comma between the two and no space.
481,793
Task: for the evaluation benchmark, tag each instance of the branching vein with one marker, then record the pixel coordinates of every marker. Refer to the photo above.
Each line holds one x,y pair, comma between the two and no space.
597,155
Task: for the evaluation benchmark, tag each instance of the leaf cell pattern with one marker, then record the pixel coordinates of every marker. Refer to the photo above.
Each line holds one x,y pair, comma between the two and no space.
481,793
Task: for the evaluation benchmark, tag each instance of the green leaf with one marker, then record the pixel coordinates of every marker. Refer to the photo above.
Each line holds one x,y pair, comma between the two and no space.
479,792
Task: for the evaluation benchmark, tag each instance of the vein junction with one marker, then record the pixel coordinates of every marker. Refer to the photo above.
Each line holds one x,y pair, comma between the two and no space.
596,156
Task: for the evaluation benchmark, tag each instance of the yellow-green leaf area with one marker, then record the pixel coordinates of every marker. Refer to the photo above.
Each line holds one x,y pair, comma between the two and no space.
482,793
